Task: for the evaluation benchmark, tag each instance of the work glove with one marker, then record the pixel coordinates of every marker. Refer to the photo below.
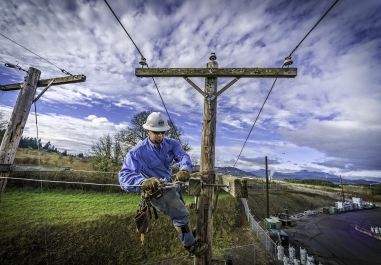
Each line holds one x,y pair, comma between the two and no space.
183,175
151,184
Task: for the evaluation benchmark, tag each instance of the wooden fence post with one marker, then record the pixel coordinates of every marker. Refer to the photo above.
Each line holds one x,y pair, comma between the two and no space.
17,123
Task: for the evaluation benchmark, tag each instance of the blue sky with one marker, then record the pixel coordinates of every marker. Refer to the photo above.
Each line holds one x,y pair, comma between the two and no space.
326,119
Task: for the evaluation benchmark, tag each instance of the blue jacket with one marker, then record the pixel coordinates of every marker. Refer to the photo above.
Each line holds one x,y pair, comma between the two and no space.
145,161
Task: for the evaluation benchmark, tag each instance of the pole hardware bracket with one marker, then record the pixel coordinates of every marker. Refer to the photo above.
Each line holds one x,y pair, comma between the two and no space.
5,167
203,184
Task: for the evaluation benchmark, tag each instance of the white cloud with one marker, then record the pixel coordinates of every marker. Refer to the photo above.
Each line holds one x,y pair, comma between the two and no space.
332,106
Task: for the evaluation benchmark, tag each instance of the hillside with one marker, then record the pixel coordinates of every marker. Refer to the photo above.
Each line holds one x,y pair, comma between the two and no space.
295,202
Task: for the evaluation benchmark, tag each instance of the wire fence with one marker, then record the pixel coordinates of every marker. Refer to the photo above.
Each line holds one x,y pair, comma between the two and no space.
261,234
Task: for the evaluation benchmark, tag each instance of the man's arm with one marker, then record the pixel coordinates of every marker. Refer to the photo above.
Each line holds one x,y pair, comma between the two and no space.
181,157
128,175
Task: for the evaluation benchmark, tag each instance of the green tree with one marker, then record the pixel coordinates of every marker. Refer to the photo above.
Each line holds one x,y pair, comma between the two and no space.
3,121
3,125
106,155
47,146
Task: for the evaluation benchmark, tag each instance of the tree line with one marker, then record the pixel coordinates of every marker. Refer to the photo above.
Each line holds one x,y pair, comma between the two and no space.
316,182
108,152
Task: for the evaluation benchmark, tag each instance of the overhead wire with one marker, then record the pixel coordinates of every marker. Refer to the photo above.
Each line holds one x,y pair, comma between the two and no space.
123,28
15,66
143,58
62,70
297,46
329,9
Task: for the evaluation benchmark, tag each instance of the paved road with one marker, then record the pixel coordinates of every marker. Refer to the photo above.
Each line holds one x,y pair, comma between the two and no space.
333,240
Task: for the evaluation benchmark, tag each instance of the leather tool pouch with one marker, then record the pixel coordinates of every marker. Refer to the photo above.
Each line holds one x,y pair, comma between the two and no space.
142,219
143,215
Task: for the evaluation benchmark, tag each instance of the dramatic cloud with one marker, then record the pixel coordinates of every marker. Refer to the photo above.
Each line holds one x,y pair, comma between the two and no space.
327,118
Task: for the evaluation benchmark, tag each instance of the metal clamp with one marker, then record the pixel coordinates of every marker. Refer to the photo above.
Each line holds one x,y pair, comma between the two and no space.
215,185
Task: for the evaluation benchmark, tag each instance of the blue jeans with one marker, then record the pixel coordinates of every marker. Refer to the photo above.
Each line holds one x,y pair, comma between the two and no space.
172,205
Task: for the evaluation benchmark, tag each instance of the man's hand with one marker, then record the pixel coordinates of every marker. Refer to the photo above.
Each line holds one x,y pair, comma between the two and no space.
150,184
183,175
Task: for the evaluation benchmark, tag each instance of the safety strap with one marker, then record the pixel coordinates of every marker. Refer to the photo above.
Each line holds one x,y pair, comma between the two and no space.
146,200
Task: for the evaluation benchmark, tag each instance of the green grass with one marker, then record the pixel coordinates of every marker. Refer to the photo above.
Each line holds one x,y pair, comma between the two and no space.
85,227
61,207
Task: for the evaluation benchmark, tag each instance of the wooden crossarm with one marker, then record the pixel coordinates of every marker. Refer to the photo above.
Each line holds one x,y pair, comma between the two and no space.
217,72
45,82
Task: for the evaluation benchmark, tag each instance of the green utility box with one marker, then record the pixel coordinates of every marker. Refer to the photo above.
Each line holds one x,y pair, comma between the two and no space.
326,210
332,209
271,223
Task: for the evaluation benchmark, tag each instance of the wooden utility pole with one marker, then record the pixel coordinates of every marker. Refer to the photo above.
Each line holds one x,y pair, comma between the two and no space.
267,190
205,203
20,114
342,188
208,177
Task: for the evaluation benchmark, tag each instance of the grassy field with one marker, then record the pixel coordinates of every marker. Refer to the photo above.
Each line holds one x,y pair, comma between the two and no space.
34,157
83,224
82,227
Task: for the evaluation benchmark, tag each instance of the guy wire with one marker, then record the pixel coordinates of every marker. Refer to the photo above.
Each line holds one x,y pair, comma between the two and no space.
42,191
62,70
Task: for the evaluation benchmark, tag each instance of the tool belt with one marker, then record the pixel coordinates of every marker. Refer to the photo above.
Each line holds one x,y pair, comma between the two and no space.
143,215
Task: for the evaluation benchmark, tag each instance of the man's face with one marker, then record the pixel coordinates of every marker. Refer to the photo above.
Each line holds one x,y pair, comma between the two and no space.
156,137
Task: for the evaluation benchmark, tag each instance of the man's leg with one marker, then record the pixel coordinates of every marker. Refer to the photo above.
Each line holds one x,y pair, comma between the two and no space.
172,205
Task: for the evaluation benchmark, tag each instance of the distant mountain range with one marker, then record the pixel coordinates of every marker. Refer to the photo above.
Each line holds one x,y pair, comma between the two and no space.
303,174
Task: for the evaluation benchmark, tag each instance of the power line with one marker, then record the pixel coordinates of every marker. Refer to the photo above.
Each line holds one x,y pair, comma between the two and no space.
289,57
144,63
329,9
15,66
173,126
69,182
252,127
123,28
62,70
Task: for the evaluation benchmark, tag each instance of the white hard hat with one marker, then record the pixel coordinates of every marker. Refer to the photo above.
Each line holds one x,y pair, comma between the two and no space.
156,122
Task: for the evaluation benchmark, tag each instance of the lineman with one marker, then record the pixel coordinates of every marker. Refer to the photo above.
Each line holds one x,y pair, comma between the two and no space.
151,160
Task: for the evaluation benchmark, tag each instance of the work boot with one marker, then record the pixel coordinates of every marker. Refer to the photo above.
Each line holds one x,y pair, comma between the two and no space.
197,248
